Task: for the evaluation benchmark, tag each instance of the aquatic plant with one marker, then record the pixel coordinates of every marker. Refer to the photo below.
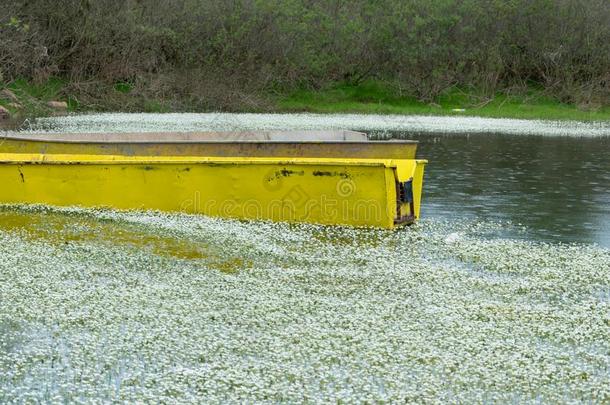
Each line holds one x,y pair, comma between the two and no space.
120,122
143,306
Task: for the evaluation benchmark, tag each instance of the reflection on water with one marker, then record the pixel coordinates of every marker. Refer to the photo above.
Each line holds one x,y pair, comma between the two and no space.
59,227
557,187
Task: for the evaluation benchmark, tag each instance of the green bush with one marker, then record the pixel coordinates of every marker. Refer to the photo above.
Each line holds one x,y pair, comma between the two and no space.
219,51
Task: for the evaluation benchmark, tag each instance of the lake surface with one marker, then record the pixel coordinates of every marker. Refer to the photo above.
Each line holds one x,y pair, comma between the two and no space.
501,293
558,188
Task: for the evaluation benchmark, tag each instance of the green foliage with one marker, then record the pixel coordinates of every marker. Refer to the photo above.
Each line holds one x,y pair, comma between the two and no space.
73,104
420,49
32,97
375,97
154,106
123,87
49,90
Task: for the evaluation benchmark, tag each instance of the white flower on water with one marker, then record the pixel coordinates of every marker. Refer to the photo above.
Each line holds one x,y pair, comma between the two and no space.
453,237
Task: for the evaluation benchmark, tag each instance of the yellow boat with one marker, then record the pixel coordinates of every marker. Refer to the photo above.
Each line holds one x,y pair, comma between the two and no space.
358,191
331,144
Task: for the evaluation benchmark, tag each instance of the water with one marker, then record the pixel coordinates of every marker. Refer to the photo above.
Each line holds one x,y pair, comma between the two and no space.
501,292
558,188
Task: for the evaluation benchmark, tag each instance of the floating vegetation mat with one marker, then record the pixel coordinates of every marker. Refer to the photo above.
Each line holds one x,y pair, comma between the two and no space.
109,306
126,122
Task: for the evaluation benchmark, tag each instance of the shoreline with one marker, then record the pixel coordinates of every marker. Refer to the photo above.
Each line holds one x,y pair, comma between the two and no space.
23,101
186,122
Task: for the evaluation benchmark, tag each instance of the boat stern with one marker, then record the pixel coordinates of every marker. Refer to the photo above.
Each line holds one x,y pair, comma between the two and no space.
408,181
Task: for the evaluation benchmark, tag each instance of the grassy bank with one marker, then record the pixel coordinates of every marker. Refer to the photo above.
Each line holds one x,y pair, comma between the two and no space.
367,98
374,98
24,99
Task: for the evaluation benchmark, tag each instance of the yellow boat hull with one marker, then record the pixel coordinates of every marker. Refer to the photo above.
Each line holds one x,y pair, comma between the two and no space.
228,148
359,192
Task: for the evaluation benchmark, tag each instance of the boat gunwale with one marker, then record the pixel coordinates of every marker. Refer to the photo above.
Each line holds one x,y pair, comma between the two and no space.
216,142
57,159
